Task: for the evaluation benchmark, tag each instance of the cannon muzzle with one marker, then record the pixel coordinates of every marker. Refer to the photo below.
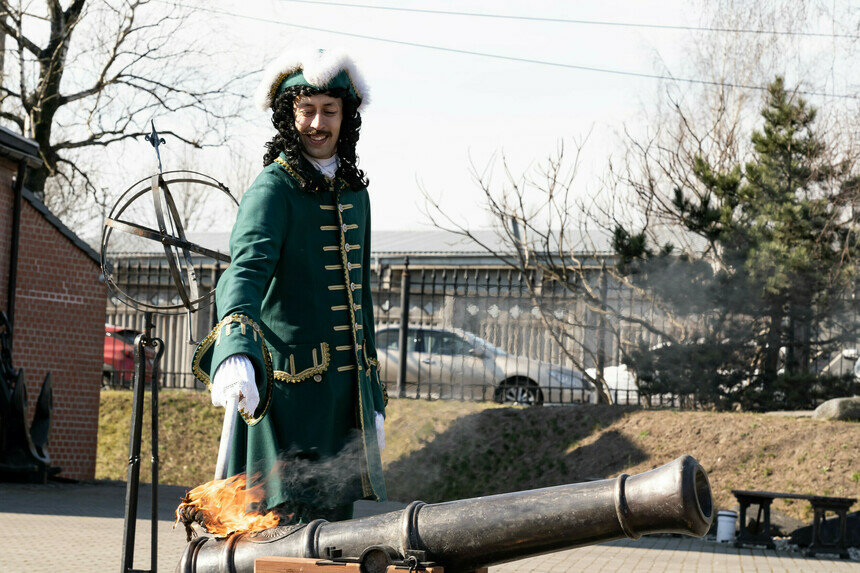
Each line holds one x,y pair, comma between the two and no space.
471,533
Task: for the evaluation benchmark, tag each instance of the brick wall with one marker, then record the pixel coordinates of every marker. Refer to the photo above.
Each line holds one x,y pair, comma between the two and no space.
59,328
7,173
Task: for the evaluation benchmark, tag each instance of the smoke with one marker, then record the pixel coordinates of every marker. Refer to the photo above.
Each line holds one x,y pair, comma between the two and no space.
315,486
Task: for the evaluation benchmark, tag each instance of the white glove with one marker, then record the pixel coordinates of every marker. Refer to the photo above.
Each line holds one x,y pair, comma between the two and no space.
235,379
380,431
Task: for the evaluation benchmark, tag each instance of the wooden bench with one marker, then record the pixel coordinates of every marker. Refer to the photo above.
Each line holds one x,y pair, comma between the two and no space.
820,506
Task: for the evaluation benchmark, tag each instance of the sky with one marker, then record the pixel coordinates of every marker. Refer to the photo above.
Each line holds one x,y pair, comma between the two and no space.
434,114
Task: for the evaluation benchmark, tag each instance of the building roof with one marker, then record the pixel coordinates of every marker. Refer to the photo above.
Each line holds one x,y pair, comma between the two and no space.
434,242
28,196
432,247
17,147
439,241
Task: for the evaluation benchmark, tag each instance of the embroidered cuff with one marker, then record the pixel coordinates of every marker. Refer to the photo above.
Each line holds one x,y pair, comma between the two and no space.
236,334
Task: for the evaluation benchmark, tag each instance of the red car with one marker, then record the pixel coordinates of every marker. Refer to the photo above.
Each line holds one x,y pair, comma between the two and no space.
118,368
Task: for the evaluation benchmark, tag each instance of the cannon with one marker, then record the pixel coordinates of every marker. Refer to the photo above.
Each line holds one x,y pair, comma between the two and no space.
468,534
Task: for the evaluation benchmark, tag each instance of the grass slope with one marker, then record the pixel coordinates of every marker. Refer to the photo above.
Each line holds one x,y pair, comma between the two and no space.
189,430
443,450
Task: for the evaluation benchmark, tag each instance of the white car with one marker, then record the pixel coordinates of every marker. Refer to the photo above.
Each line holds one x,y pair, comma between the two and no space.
621,382
453,363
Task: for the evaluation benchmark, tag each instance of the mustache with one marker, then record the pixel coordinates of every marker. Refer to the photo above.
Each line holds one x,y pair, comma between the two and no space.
315,132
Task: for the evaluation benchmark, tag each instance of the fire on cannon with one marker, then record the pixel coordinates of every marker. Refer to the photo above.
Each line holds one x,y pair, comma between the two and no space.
470,534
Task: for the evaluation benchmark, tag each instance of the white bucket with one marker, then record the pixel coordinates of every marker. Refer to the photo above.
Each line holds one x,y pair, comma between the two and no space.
726,525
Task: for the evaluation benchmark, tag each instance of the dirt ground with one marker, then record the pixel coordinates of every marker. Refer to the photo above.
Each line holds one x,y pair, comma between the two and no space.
508,449
443,450
751,451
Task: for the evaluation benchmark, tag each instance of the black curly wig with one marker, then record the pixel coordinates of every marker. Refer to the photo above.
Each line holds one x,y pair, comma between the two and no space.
288,140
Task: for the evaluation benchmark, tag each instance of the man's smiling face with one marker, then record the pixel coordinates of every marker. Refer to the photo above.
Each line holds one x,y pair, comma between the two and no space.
318,120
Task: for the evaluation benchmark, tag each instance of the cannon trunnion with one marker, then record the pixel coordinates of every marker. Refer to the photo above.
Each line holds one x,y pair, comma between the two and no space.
471,533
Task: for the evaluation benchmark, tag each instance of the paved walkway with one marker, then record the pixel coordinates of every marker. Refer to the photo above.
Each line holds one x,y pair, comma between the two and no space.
78,528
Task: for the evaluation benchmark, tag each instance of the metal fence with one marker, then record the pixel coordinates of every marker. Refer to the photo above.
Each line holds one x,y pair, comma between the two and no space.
469,334
480,334
150,280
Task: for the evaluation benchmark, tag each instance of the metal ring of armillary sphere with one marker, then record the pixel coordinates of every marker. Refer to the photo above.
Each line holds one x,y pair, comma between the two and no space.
170,233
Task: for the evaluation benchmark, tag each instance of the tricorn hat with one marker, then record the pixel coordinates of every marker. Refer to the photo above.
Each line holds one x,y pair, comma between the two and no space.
321,69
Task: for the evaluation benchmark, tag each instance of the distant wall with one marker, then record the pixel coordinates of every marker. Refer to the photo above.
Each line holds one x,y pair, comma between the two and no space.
59,327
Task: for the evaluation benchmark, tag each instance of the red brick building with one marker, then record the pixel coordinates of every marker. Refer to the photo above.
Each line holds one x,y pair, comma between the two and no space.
57,308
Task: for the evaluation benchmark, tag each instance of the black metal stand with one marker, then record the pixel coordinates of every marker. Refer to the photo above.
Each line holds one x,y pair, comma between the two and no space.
403,337
141,343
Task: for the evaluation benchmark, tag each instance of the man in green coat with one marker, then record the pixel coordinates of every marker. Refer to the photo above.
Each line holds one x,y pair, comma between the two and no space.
295,343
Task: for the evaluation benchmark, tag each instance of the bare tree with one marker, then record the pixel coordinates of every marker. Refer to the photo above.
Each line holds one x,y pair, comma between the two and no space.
553,251
83,78
201,209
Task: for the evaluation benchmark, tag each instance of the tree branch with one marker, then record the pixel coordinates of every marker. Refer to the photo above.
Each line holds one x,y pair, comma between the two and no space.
104,139
15,32
13,118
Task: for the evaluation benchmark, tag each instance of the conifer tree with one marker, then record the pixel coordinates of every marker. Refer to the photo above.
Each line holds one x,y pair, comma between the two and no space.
782,262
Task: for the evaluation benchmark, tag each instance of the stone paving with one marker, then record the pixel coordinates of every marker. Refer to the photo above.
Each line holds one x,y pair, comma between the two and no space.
78,527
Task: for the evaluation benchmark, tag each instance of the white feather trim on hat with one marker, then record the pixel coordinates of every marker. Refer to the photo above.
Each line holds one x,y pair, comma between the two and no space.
319,69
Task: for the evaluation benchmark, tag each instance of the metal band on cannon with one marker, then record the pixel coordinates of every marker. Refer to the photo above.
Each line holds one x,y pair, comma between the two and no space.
622,510
409,540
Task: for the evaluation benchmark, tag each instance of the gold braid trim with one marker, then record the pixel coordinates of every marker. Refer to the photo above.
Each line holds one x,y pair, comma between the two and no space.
370,361
282,376
292,172
384,388
352,83
373,368
273,89
214,337
367,487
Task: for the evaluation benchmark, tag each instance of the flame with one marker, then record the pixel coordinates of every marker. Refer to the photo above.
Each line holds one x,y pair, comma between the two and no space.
219,507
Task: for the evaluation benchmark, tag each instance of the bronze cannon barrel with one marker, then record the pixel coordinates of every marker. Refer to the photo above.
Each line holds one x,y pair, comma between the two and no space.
471,533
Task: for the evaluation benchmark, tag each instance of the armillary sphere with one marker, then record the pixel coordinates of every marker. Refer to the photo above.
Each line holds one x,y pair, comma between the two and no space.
170,232
153,206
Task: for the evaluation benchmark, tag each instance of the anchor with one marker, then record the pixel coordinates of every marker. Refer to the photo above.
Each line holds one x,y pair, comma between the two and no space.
23,450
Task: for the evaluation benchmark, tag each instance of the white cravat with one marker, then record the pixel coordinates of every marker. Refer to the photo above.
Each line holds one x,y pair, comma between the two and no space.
327,167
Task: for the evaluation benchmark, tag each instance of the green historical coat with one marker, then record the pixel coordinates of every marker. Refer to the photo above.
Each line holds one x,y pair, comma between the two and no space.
296,300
